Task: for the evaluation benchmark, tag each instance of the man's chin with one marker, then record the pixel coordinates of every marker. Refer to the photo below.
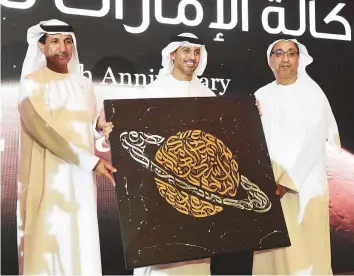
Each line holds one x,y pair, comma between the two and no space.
189,70
189,73
285,73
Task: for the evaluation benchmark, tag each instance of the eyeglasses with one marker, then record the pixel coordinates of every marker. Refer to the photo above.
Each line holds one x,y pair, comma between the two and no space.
280,53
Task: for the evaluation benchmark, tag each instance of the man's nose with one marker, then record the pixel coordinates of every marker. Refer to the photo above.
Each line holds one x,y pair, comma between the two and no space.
285,57
62,47
192,56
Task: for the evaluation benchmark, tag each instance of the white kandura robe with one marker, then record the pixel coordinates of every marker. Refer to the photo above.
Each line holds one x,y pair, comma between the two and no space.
57,209
298,122
168,87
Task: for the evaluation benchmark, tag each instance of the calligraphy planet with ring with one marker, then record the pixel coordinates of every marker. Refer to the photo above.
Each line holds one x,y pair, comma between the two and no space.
195,172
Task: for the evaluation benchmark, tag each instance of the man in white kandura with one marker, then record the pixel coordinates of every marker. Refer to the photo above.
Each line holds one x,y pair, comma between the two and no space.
57,214
183,60
298,124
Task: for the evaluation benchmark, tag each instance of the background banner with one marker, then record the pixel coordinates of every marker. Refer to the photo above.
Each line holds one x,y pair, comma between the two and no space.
120,43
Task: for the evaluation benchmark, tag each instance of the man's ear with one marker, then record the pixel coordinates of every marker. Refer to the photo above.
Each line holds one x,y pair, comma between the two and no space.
41,46
173,55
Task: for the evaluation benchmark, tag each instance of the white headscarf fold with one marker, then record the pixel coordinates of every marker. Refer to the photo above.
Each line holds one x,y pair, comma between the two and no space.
35,59
167,62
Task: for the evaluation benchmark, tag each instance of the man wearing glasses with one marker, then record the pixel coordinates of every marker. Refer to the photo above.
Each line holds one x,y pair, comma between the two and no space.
298,124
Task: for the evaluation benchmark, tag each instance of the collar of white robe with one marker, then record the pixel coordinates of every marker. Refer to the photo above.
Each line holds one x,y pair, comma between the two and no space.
185,39
35,59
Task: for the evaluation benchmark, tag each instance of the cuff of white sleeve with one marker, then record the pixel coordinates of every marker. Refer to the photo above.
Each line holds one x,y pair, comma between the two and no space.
96,134
89,162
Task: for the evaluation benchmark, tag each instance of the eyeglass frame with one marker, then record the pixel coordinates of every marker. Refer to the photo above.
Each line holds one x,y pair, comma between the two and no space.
285,52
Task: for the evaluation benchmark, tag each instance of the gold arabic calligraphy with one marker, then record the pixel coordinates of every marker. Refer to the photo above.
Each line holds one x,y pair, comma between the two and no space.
203,161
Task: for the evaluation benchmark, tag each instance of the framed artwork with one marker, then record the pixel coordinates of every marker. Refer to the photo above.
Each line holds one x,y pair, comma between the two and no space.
193,179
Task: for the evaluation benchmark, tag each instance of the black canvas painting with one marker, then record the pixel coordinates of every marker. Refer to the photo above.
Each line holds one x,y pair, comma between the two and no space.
194,179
